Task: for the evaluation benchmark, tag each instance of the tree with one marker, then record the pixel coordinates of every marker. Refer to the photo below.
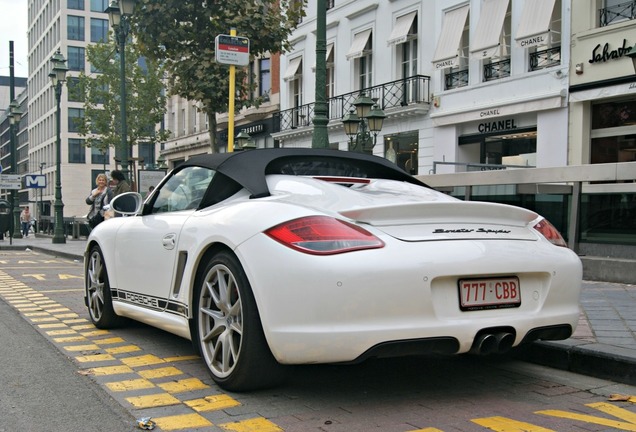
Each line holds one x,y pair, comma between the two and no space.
145,98
181,33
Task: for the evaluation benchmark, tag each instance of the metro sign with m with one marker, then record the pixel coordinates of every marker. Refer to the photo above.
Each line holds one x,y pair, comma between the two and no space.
35,181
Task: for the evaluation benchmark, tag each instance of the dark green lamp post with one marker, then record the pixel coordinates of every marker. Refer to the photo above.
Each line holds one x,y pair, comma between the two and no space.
320,138
119,12
15,114
58,77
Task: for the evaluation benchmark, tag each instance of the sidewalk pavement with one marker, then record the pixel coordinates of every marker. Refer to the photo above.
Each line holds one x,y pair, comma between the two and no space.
603,345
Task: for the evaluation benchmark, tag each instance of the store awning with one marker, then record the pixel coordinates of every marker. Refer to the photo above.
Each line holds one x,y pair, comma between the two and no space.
327,55
400,32
446,54
534,28
487,40
357,46
292,68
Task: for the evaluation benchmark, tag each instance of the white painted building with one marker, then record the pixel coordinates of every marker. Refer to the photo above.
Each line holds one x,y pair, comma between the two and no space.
482,82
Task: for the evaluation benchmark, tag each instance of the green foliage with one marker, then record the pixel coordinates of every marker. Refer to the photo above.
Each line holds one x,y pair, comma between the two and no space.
145,98
181,34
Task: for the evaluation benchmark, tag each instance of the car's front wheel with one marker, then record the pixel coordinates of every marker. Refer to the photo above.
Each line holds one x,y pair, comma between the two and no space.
99,300
229,331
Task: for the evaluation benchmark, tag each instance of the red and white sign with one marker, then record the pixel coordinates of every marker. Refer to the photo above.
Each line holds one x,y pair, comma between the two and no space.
232,50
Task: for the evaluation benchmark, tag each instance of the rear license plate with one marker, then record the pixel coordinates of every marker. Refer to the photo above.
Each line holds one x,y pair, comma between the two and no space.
492,293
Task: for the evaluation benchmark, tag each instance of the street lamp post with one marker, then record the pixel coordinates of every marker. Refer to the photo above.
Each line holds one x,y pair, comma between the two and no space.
320,138
58,76
358,124
15,114
119,12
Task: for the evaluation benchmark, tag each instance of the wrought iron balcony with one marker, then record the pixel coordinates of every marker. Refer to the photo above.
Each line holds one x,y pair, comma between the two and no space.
497,70
617,13
403,92
456,79
544,59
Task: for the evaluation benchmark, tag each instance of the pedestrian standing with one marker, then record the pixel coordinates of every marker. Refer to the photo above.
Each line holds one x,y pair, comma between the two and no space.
25,221
98,198
121,185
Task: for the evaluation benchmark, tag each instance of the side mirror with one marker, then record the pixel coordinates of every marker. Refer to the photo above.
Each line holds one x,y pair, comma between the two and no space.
128,203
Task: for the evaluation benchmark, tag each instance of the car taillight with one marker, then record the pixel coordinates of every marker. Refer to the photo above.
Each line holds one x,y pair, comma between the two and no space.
323,235
550,232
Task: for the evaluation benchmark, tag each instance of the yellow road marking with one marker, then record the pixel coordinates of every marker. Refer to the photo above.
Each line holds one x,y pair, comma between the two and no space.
95,358
160,372
212,403
258,424
69,276
44,319
110,370
61,332
601,406
185,385
503,424
38,276
123,349
94,332
181,358
73,348
109,341
49,326
183,421
83,327
153,401
70,339
144,360
127,385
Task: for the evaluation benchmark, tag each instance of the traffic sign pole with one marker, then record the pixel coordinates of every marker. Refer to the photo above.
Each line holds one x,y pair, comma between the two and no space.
230,124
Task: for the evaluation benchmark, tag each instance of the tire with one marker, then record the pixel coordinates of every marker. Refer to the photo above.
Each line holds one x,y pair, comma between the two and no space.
98,296
228,329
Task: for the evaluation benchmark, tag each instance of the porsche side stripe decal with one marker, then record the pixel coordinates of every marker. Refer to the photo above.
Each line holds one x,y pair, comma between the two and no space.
149,302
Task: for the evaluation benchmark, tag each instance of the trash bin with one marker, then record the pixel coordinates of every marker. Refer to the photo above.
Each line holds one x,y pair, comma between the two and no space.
6,218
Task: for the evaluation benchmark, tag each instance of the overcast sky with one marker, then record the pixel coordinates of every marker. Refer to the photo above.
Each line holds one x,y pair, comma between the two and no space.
13,27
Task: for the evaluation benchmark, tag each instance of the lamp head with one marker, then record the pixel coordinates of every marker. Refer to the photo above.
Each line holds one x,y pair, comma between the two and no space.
351,122
363,105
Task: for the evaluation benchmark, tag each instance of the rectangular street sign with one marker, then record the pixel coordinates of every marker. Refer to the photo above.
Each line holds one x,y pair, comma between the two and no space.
10,181
36,181
232,50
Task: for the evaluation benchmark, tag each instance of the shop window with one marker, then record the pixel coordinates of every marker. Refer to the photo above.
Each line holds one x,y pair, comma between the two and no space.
613,132
404,148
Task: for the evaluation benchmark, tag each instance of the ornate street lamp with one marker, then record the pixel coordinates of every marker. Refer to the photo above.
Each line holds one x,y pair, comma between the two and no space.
15,114
367,118
119,12
244,141
58,77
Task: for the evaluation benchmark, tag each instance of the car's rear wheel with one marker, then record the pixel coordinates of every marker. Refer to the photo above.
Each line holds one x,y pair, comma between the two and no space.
229,332
100,302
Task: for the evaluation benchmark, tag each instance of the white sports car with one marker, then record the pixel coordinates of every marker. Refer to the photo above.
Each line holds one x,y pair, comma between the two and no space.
273,257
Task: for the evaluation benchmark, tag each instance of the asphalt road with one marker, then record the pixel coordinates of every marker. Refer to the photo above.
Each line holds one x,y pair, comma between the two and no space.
42,389
60,374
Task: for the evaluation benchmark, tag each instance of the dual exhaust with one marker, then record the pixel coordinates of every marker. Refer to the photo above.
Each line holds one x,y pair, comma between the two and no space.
492,343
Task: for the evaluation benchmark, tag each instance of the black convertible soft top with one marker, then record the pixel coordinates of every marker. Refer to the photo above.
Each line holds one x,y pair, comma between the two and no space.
248,168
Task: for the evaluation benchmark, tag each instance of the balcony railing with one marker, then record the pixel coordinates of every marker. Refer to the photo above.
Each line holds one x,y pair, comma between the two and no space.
456,79
620,12
544,59
403,92
497,70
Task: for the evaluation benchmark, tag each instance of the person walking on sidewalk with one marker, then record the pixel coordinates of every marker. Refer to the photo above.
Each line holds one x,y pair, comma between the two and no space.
25,221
